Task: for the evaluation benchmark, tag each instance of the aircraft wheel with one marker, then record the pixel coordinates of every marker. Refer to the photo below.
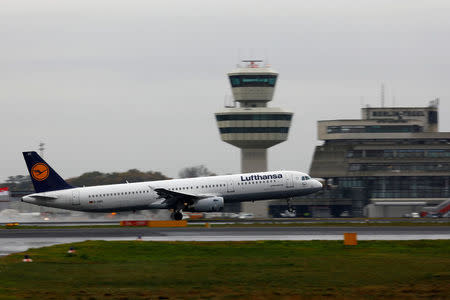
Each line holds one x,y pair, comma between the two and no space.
178,216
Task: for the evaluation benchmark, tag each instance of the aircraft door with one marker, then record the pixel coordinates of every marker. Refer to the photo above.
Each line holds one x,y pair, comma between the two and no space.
230,186
75,197
289,181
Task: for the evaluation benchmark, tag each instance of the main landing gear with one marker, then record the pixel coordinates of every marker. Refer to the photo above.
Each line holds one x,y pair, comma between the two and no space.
290,209
177,215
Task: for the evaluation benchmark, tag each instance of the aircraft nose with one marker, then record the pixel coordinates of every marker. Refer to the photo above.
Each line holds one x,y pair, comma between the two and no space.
317,185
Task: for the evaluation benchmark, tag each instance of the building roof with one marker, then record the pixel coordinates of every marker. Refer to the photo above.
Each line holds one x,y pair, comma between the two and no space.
247,110
254,71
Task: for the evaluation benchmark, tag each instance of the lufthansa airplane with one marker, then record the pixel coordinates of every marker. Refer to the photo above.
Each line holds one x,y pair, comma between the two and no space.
201,194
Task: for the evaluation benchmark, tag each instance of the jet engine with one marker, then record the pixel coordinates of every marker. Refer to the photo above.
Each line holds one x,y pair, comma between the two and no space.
206,205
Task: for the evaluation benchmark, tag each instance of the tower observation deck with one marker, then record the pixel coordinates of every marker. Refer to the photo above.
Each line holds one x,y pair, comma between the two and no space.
249,124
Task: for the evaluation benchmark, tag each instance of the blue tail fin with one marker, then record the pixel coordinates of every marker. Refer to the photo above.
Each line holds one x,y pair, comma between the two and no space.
44,178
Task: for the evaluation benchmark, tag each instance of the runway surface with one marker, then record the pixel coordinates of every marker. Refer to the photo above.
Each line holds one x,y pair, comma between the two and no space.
16,240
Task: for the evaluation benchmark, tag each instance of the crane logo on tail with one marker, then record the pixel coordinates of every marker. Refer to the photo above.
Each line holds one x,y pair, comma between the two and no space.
40,171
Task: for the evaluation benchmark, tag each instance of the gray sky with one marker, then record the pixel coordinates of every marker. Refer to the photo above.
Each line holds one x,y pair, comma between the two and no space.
115,85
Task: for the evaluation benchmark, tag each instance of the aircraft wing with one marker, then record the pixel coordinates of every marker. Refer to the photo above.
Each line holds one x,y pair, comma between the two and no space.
165,193
172,198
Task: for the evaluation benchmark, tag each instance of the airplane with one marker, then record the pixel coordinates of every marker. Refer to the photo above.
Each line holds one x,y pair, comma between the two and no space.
200,194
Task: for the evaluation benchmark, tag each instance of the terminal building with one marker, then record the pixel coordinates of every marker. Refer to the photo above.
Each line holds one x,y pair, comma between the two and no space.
250,124
391,162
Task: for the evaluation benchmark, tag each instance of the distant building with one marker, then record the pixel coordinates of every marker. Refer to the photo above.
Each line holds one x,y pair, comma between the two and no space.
252,126
392,161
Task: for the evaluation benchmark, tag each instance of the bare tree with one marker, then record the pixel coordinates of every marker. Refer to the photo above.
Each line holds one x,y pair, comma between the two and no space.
195,171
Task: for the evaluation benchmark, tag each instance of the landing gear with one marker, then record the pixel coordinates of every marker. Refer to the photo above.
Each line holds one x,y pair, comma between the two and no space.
290,209
177,215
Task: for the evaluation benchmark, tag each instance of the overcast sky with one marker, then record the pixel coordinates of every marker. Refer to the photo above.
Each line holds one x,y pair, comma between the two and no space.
115,85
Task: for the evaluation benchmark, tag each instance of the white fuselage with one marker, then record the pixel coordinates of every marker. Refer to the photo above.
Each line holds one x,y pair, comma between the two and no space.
142,195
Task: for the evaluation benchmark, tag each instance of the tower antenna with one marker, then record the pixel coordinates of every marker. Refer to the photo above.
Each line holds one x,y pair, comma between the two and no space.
393,98
41,149
382,94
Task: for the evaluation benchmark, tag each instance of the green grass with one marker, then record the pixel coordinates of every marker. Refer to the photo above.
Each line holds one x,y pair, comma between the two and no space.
231,270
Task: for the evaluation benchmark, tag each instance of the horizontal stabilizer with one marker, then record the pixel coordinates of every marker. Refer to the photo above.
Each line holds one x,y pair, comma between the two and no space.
42,197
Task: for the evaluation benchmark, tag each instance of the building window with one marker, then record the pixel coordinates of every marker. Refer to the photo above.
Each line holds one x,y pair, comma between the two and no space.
374,128
254,130
355,154
253,80
410,153
254,117
374,153
421,167
438,153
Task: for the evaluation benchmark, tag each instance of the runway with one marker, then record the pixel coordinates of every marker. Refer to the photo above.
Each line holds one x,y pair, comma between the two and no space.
15,240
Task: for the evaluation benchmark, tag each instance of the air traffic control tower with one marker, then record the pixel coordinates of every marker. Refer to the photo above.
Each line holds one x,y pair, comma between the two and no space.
249,124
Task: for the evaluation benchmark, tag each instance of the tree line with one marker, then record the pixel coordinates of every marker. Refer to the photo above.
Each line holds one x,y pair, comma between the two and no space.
23,182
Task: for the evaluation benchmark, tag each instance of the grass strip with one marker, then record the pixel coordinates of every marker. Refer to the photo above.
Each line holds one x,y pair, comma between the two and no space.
230,270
